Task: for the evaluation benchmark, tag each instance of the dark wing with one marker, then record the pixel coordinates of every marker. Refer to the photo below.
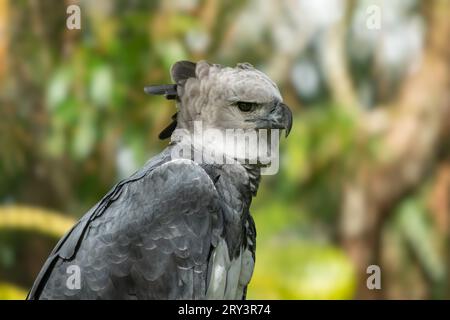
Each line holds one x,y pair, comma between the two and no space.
152,240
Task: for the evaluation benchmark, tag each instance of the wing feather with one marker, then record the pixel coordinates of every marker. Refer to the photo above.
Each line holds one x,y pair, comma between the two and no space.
150,238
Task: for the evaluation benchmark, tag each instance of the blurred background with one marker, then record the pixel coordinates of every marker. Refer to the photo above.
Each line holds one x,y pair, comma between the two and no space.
365,173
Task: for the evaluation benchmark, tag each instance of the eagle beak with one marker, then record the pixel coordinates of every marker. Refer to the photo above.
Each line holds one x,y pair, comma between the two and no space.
280,118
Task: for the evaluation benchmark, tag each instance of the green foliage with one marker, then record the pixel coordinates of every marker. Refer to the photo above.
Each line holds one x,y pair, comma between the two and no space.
414,227
292,269
11,292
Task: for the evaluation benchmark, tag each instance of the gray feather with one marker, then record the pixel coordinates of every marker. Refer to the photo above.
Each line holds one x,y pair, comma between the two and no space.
150,240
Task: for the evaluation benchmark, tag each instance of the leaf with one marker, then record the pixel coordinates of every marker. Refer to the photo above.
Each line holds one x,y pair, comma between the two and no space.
85,136
58,88
101,89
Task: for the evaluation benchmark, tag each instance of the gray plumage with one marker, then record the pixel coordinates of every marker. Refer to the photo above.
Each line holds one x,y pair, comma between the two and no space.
176,229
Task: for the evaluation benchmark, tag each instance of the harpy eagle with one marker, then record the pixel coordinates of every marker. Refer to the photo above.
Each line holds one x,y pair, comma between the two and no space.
177,228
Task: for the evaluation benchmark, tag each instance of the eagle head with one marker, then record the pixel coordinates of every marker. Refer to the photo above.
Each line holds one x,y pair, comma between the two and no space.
224,98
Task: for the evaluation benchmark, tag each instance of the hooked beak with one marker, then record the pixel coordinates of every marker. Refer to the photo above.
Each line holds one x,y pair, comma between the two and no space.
279,118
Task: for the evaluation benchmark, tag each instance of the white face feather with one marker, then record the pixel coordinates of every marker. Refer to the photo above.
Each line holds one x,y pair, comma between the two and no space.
235,84
211,97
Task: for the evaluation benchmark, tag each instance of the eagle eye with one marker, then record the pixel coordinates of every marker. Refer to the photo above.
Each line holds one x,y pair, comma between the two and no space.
246,106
